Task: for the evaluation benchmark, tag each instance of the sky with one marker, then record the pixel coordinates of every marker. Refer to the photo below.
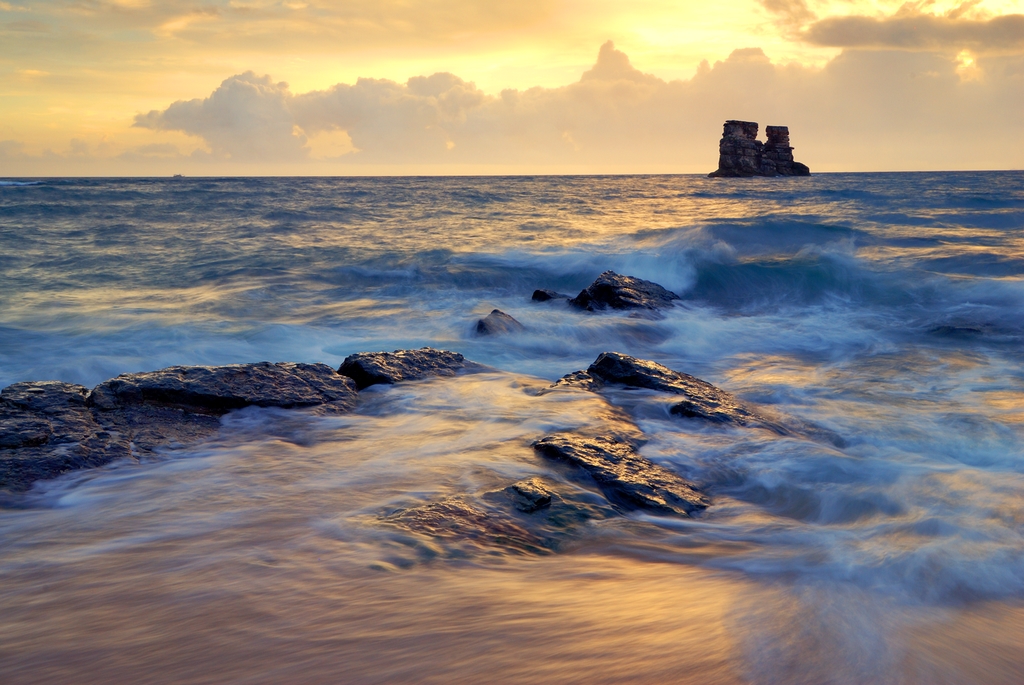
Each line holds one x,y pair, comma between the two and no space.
254,87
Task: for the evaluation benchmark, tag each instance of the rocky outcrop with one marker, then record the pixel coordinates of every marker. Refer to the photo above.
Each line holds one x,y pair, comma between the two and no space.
498,323
371,368
742,155
701,399
613,291
627,479
219,389
46,429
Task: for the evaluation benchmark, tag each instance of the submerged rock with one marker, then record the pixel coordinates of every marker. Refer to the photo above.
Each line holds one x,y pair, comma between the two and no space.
454,518
544,295
46,430
579,379
702,400
529,495
627,479
371,368
498,323
614,291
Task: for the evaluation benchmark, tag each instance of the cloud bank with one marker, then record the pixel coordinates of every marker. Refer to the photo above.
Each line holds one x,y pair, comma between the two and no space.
867,109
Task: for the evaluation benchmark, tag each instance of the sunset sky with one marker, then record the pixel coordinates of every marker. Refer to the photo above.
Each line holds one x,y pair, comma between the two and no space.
133,87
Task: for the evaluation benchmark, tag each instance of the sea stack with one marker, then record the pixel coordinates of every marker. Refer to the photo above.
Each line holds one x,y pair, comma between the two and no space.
741,154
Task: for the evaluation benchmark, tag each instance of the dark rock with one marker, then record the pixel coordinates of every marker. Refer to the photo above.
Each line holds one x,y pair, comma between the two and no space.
46,430
219,389
611,290
581,380
702,400
529,495
626,478
50,428
742,155
498,323
454,518
543,295
371,368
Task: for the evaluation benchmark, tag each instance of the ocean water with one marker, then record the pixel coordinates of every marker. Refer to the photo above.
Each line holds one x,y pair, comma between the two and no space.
887,308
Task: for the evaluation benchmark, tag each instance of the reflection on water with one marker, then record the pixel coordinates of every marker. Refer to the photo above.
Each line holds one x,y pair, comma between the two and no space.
884,308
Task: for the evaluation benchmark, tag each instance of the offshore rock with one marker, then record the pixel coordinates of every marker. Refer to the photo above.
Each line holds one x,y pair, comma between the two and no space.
46,430
702,400
742,155
626,478
611,290
219,389
498,323
371,368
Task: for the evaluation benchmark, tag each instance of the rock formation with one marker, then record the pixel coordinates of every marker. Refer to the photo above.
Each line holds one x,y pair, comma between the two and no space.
613,291
626,478
741,154
371,368
498,323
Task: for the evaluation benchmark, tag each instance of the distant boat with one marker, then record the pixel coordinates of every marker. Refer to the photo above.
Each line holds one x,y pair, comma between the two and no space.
177,176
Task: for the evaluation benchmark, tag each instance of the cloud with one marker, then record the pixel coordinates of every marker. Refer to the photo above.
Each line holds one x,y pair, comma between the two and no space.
247,118
913,30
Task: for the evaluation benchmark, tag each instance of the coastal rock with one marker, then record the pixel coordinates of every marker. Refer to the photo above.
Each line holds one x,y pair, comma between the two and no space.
498,323
46,430
219,389
626,478
50,428
614,291
702,400
579,379
454,518
529,495
371,368
543,295
742,155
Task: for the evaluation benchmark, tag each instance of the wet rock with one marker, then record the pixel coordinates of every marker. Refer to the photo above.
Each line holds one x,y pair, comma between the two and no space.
371,368
614,291
627,479
47,430
219,389
544,295
702,400
529,495
579,379
498,323
742,155
454,518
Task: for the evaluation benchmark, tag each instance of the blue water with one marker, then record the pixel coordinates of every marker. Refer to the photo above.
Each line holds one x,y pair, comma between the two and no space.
888,308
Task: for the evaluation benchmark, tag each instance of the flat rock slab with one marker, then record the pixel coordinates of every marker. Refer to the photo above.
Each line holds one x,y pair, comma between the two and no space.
372,368
220,389
46,430
614,291
627,479
498,323
529,495
702,400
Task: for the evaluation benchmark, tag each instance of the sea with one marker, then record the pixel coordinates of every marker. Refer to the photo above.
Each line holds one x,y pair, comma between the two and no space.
886,308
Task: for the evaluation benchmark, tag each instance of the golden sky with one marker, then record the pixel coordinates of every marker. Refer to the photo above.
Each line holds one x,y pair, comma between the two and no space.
256,86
